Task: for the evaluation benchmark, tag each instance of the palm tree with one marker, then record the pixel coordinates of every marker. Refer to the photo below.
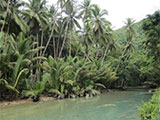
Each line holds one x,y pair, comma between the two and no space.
130,33
98,21
85,12
14,16
71,20
36,14
87,36
54,24
99,25
108,45
85,7
55,13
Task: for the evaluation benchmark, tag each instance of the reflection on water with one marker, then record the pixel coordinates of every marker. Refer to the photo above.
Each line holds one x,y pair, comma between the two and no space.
117,105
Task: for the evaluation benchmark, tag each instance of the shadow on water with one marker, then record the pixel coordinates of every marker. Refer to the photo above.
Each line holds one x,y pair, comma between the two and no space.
115,105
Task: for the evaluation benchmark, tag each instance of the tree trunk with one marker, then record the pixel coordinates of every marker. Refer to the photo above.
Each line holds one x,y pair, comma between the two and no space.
41,43
49,39
63,41
106,51
8,29
77,50
121,58
31,70
70,48
51,32
54,47
57,49
37,69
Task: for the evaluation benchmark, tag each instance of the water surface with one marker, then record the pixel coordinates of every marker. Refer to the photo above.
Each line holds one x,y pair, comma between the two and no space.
116,105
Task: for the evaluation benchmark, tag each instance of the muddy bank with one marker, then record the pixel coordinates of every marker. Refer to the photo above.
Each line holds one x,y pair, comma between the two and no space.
16,102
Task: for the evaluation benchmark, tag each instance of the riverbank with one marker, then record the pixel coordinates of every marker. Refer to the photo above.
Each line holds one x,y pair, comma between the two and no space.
44,98
24,101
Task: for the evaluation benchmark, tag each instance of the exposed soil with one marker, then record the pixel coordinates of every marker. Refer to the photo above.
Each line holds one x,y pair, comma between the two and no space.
17,102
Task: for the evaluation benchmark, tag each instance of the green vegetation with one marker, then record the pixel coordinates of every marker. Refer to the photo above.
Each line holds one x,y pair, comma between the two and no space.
150,110
151,26
44,50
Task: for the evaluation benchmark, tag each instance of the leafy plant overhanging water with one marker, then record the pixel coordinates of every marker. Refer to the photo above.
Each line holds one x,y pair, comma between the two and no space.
150,110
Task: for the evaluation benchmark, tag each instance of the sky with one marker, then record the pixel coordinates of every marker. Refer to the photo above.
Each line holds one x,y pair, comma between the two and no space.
119,10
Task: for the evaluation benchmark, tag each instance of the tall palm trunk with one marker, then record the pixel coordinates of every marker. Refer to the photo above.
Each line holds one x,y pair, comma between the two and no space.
124,51
37,69
65,36
57,48
50,37
8,29
105,53
70,48
31,70
41,43
54,48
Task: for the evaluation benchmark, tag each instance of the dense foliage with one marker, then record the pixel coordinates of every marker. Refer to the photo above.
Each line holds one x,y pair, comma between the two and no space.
45,50
150,110
151,26
69,50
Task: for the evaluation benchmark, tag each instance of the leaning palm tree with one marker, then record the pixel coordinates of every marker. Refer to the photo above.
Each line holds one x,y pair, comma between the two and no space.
87,36
98,25
130,33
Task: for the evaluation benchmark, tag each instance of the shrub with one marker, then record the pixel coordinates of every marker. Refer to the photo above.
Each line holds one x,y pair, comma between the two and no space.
151,109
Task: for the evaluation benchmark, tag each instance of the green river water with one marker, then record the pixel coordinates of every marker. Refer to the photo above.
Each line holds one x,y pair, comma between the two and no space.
116,105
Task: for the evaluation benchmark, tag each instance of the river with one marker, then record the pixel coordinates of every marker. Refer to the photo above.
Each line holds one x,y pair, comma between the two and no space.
115,105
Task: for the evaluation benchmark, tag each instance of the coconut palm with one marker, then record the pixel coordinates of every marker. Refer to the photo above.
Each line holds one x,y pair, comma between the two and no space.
87,34
71,20
130,33
98,21
14,16
53,27
85,7
36,14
